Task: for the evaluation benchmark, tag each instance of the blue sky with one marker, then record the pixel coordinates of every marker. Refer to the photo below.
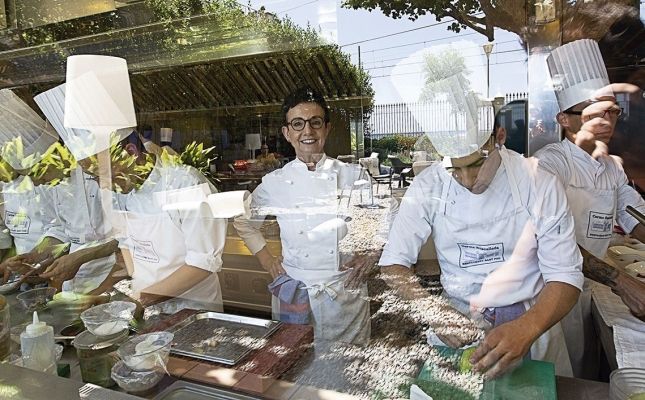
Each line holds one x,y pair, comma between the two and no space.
395,62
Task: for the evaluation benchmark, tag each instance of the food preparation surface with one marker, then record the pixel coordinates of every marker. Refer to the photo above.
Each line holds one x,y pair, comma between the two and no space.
221,338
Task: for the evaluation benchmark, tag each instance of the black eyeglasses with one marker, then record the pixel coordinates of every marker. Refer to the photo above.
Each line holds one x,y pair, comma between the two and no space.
614,112
299,124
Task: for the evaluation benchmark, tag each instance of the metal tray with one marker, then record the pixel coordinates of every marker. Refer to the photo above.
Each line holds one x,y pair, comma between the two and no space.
235,336
181,390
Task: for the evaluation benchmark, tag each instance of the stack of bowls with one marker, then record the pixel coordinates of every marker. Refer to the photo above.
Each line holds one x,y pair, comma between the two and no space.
143,361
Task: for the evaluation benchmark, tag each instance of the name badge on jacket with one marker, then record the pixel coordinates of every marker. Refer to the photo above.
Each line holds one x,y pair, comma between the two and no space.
600,225
144,251
18,223
471,255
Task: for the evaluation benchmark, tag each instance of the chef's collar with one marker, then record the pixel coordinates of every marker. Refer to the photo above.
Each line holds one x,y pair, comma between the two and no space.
299,163
579,153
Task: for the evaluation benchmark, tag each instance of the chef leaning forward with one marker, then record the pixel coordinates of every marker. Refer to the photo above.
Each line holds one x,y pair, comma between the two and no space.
303,197
505,244
596,186
171,249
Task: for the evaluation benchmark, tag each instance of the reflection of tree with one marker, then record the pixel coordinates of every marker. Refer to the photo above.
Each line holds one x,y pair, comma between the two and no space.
446,79
437,68
591,18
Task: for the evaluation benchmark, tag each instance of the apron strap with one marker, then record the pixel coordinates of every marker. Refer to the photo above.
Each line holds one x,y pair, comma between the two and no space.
515,191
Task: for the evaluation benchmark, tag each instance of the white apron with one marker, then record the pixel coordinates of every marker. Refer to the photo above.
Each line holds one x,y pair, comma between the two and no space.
157,248
593,213
308,201
23,212
470,251
80,206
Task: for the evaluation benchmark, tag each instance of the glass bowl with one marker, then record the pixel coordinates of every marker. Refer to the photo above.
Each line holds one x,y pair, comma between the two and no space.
146,352
627,383
135,381
36,299
108,319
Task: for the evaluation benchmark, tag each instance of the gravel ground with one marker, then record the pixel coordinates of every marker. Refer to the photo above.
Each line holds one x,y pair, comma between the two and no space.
396,352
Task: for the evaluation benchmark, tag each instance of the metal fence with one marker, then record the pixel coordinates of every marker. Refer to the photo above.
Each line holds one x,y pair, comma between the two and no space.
414,119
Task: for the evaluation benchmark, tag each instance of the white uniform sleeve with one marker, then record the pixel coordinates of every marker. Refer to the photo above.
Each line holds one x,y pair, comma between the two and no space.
204,238
413,222
5,237
53,226
248,227
627,196
552,159
559,258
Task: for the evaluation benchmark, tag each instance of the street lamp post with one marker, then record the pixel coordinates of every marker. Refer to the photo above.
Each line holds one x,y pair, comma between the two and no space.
488,48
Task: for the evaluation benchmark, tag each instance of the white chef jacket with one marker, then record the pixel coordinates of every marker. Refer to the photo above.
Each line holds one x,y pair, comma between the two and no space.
77,218
604,173
555,258
22,212
301,200
161,241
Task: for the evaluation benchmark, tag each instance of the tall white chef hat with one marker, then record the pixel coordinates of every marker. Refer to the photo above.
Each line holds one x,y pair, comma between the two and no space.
465,137
577,72
25,137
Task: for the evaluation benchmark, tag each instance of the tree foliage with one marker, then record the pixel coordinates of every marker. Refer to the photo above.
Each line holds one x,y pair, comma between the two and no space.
443,72
484,16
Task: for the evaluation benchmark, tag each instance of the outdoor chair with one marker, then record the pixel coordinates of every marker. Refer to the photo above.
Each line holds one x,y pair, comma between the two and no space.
401,169
373,168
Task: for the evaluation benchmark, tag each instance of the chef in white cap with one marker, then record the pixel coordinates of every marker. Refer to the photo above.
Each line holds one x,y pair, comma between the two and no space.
596,186
303,197
505,244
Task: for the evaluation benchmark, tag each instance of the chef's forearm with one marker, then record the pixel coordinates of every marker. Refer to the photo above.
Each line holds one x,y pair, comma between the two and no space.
98,251
403,281
554,302
265,257
639,233
177,283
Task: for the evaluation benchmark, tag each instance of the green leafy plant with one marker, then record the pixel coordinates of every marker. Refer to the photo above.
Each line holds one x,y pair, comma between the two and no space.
199,158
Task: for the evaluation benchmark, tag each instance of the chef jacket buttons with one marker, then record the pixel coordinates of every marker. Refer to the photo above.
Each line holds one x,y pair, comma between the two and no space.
300,232
331,251
306,255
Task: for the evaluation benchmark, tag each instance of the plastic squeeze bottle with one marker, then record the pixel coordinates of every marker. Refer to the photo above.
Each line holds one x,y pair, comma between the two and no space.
37,346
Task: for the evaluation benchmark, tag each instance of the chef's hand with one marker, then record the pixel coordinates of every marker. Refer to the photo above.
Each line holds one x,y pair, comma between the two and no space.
361,267
632,293
23,264
502,349
271,264
596,131
63,268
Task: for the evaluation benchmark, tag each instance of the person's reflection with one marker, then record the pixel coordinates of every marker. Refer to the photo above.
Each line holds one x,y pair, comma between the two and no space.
171,247
303,196
24,197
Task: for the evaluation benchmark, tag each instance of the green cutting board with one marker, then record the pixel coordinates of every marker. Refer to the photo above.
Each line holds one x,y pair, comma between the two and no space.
533,380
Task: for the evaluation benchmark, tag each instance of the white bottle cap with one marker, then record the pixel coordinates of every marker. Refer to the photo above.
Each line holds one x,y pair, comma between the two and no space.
37,327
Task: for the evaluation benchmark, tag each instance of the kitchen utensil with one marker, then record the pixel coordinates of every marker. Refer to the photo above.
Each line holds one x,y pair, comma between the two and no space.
36,299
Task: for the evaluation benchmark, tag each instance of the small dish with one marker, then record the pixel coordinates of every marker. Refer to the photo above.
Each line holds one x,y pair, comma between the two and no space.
36,299
135,381
145,352
108,319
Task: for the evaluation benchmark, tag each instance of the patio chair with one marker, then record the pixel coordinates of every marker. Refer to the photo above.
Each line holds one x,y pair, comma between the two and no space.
401,169
373,168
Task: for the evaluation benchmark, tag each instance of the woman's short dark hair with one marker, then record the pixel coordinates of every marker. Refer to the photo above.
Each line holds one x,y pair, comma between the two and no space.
305,94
